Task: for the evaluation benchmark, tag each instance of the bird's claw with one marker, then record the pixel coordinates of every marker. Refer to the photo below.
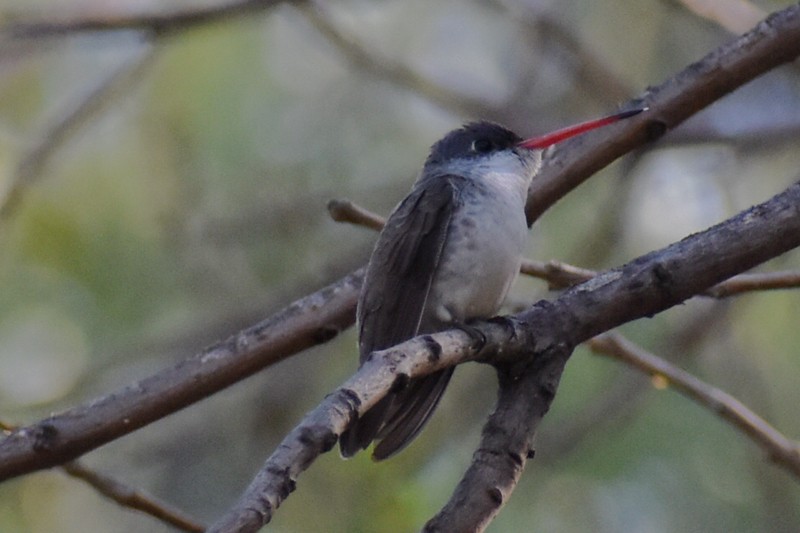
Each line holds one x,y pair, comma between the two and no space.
477,337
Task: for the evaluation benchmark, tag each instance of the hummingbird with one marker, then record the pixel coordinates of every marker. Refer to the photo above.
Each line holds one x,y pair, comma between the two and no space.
447,255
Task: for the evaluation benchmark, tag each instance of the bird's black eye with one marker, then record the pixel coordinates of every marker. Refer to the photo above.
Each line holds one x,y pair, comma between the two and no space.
482,146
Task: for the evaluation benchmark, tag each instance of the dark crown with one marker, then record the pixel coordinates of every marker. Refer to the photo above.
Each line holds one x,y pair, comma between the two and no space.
472,140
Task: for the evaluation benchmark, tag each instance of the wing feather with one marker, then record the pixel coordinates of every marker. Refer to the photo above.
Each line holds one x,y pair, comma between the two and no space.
392,306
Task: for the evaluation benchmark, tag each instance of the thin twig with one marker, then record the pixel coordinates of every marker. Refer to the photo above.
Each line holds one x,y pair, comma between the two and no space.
157,23
780,449
762,281
625,392
125,495
75,116
561,275
132,498
532,346
343,210
592,72
396,73
67,435
557,274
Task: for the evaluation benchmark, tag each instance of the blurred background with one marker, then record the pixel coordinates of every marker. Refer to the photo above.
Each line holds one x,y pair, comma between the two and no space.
159,195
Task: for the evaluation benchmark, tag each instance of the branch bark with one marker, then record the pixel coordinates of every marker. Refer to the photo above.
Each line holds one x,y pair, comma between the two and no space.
773,42
641,288
319,316
530,350
780,449
563,275
307,322
132,498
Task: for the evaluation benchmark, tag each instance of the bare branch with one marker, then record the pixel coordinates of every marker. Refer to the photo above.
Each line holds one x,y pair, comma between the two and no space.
316,318
557,274
602,303
766,281
530,350
783,451
71,119
626,391
132,498
125,495
393,72
156,23
561,275
307,322
319,430
506,443
773,42
343,210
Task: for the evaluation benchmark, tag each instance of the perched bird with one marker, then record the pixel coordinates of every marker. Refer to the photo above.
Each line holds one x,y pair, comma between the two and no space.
447,255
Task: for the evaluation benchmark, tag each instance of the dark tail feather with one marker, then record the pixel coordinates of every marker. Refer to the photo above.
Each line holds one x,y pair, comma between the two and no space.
396,419
362,431
416,405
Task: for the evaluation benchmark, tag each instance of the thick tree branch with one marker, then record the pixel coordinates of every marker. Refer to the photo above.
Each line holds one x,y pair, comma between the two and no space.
65,436
307,322
641,288
773,42
126,495
530,350
781,450
506,443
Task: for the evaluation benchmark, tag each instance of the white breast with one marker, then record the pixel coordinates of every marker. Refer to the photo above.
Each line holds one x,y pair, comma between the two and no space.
483,251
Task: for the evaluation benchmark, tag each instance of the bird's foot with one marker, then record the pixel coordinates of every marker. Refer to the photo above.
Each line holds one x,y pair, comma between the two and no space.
477,337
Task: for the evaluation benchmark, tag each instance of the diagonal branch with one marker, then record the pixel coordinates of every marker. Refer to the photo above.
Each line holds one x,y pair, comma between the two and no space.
783,451
760,281
157,23
641,288
131,498
394,72
561,275
772,43
530,350
126,495
75,116
316,318
625,392
307,322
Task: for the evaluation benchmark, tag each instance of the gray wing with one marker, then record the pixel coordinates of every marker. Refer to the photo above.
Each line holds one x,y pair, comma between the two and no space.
391,309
